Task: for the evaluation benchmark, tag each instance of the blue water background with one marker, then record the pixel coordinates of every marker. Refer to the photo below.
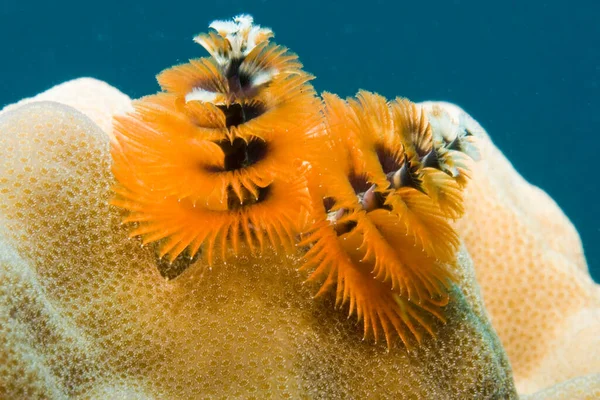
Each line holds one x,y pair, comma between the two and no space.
528,71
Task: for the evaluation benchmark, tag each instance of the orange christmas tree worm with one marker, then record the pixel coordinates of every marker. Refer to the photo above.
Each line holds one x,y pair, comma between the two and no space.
384,239
218,156
239,153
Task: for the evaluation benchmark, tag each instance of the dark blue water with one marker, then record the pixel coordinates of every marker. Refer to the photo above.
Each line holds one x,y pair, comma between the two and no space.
529,71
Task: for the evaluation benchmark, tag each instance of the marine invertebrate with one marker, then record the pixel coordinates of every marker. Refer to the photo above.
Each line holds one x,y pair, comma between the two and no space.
386,243
236,150
219,155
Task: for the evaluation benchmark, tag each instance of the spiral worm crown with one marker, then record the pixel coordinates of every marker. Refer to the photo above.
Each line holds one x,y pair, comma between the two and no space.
238,153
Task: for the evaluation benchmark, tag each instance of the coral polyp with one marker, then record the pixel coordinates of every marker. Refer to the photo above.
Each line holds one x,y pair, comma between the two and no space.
239,152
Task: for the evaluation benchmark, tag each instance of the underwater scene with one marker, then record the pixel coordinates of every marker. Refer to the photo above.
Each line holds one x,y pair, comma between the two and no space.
261,199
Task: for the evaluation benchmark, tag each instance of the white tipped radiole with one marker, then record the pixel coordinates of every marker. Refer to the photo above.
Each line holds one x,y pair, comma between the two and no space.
240,51
241,35
199,94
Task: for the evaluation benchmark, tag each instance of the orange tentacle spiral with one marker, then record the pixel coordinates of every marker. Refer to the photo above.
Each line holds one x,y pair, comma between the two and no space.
238,152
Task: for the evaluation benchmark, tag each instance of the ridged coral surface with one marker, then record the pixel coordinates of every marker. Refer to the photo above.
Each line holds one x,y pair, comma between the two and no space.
85,311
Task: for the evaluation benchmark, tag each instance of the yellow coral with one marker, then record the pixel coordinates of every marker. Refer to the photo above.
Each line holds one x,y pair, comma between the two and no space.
85,312
87,101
